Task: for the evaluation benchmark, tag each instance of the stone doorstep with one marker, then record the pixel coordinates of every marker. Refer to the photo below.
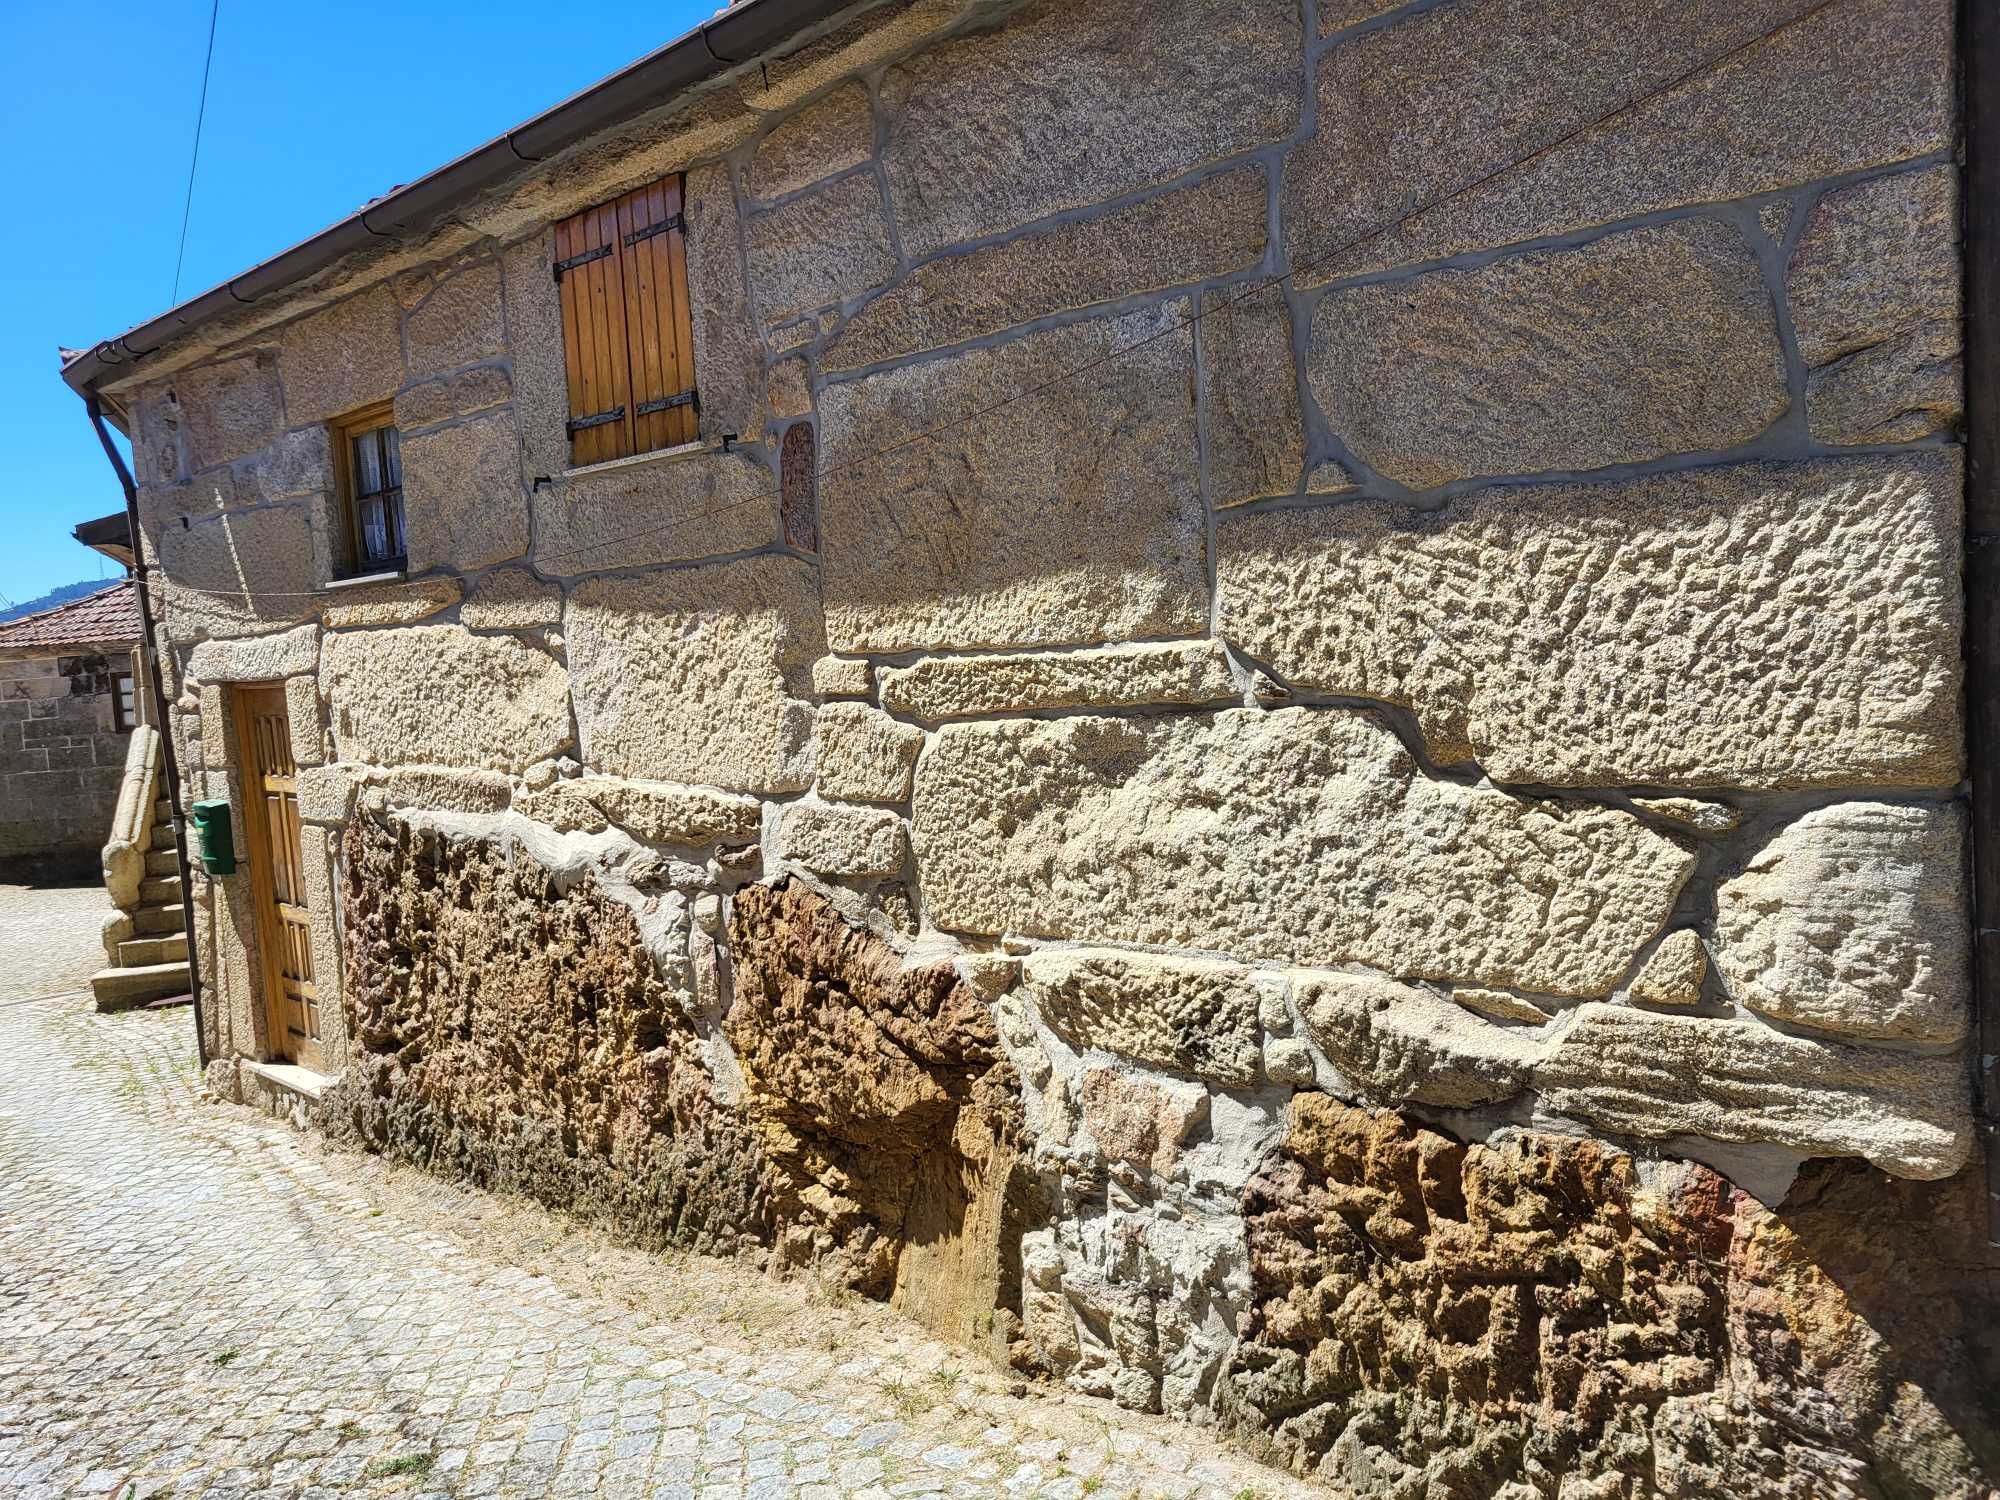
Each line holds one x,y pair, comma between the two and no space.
289,1077
284,1091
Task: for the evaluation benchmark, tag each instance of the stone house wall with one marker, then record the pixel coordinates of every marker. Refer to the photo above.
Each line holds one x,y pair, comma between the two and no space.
62,754
1327,796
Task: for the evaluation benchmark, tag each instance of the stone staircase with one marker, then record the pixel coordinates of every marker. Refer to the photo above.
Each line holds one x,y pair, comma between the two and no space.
145,939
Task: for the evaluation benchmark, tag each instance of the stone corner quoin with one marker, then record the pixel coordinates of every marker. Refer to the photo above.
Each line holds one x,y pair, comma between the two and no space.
1252,685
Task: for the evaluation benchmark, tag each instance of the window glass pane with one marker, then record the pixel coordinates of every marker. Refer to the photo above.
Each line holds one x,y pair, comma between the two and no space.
124,717
372,515
367,465
392,459
392,513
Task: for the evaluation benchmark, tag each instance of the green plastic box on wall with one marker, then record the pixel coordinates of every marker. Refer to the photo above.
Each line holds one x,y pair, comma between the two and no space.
216,842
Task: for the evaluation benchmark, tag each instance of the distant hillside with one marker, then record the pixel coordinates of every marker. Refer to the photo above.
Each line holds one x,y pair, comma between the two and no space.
54,597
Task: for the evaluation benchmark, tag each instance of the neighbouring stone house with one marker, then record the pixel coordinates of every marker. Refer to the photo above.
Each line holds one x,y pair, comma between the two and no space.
1259,703
70,696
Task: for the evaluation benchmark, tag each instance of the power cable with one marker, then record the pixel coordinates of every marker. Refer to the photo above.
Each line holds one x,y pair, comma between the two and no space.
1119,352
194,160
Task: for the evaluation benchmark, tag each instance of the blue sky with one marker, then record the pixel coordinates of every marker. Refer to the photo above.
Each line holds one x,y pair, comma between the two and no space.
313,108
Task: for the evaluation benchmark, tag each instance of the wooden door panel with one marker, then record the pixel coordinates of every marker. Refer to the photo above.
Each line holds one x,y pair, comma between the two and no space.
277,868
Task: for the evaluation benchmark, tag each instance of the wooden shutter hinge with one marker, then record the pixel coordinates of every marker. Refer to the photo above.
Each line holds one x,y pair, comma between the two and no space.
665,226
580,260
595,419
688,397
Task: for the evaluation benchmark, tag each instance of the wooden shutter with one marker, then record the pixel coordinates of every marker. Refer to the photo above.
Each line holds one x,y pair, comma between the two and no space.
628,333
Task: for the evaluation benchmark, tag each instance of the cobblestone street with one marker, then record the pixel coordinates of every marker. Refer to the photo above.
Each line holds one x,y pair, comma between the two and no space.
198,1301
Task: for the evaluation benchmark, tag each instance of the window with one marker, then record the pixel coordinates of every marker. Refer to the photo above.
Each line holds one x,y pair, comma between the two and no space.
124,707
628,340
370,459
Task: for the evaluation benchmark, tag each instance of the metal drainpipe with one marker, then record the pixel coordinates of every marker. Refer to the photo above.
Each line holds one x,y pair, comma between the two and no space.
167,761
1979,84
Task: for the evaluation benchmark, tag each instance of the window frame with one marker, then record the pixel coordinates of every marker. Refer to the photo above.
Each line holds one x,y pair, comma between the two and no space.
343,431
122,683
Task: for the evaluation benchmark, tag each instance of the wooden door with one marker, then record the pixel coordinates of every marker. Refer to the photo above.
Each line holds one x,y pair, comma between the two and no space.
271,833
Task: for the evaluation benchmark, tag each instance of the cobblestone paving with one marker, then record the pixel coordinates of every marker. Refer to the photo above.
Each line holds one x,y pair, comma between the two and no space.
196,1301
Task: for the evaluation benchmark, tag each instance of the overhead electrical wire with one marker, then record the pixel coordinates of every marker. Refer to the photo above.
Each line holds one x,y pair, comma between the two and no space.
1250,290
194,158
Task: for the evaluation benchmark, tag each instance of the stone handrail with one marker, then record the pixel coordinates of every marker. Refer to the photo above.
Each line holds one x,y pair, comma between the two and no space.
132,824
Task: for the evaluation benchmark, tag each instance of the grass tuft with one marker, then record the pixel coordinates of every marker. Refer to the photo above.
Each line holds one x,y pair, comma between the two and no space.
409,1463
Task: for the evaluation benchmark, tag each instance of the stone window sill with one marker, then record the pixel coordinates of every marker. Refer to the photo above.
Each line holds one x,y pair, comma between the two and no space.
640,460
361,580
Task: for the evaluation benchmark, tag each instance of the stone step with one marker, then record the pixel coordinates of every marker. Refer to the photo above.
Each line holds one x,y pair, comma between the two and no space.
161,888
163,811
162,861
163,835
139,952
121,989
149,921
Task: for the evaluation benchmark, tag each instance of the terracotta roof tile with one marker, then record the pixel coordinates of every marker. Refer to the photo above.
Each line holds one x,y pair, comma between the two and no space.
109,617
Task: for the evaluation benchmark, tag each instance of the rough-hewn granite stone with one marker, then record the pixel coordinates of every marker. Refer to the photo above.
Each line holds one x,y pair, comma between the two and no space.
1655,341
458,322
1408,1045
1191,1016
864,755
1578,634
1851,920
249,565
1691,813
989,532
688,506
819,249
1303,835
845,841
463,500
1208,229
1137,106
1250,410
511,599
1673,972
298,464
1874,287
727,360
439,695
951,687
443,397
257,659
828,136
843,677
1659,1076
1578,115
432,789
345,356
659,812
691,674
403,602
